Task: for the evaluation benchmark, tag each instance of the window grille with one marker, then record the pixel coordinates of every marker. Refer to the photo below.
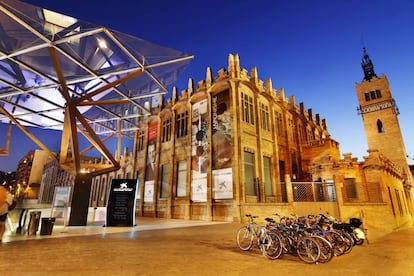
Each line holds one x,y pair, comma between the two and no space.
314,191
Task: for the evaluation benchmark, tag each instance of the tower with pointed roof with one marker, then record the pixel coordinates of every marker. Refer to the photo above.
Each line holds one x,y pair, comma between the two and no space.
380,116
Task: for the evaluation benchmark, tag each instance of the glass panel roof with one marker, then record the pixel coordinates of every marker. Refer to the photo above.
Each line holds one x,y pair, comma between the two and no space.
43,53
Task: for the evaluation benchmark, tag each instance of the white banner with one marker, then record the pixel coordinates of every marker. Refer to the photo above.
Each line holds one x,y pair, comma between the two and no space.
223,184
149,191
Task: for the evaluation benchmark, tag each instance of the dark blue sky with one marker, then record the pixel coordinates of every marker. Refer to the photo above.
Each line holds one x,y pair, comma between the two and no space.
311,48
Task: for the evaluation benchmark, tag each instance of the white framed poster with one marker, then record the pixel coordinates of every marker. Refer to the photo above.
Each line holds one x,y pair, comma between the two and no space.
61,200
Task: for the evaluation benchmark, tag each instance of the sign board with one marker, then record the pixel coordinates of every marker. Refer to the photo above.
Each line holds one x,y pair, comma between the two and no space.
120,209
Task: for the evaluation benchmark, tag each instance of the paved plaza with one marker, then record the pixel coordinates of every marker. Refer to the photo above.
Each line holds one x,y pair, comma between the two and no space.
180,247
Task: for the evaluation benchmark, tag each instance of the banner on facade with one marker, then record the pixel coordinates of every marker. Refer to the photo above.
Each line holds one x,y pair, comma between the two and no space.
120,209
199,146
198,187
222,145
150,169
223,184
149,191
151,151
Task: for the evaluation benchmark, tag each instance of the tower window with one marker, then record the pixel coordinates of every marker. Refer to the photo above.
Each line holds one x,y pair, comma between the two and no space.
380,126
372,95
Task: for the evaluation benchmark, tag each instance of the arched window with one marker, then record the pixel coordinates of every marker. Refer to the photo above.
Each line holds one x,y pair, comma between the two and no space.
380,126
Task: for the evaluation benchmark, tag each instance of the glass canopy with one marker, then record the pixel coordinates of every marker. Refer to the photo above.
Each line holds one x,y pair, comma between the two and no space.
49,61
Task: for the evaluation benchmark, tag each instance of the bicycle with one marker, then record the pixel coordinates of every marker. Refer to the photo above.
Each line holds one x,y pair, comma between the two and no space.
327,249
268,242
296,242
322,226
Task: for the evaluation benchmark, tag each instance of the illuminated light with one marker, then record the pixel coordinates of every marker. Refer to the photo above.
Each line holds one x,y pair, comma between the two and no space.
102,44
83,171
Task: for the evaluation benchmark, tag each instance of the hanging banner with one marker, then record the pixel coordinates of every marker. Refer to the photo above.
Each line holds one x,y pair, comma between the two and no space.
150,169
120,210
199,152
149,191
223,184
151,151
222,146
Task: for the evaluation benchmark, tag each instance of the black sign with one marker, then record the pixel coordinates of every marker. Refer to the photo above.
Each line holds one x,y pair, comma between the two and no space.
120,210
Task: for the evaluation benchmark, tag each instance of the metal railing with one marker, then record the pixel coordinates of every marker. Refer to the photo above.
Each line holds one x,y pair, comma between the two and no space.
314,191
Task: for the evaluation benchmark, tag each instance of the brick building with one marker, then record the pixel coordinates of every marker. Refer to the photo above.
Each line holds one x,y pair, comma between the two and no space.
236,145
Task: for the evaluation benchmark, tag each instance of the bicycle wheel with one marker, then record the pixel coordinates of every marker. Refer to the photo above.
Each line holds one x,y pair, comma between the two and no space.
244,238
271,246
337,241
327,251
308,250
359,241
349,241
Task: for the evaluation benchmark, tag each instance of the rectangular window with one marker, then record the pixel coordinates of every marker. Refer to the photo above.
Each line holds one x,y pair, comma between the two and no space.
373,95
141,136
378,93
291,130
367,98
96,190
103,189
295,169
310,136
400,208
181,178
282,171
251,110
249,175
392,202
264,117
279,124
267,175
165,176
329,186
181,124
247,106
166,130
350,188
302,134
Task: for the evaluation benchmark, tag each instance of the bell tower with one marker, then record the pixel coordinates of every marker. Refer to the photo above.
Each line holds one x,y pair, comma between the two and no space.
379,115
